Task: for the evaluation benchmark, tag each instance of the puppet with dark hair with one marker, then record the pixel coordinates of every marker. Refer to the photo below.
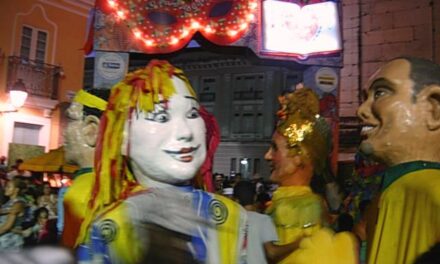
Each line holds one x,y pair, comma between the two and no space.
401,129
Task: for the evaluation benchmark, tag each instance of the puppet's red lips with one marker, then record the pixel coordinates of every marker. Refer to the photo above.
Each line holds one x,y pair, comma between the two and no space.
184,154
183,150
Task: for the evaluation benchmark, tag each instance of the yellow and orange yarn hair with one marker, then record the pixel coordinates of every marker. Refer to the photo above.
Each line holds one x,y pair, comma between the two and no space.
307,133
139,91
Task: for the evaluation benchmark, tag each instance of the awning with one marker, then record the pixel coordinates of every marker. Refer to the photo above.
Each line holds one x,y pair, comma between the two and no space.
53,161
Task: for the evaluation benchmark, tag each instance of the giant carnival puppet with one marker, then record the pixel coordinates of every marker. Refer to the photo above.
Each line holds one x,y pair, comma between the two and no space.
79,143
401,118
153,141
299,150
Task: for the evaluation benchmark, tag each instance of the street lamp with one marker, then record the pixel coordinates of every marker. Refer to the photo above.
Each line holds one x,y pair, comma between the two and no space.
17,96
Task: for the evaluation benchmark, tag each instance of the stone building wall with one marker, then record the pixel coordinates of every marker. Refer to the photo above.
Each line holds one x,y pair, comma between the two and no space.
375,31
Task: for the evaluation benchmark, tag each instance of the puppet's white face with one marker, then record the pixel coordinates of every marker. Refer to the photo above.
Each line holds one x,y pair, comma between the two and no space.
167,145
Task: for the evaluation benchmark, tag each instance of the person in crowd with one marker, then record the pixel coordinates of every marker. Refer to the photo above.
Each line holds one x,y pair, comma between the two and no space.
11,217
218,182
44,230
262,233
401,127
154,138
79,143
16,171
299,150
48,199
3,170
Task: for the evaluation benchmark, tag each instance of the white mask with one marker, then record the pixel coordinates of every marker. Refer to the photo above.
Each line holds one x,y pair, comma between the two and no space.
167,146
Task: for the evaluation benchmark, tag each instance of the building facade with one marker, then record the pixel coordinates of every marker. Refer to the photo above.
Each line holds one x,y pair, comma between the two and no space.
41,46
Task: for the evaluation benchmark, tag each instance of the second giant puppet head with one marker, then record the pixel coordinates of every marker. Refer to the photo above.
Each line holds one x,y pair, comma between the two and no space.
300,143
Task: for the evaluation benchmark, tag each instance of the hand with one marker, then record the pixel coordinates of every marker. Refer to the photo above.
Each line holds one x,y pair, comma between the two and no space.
167,207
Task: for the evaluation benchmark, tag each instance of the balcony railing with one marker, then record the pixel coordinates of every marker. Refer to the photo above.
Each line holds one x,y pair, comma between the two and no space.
40,79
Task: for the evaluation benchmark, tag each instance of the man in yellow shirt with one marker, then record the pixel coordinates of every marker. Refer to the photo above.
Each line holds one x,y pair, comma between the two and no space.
300,148
401,128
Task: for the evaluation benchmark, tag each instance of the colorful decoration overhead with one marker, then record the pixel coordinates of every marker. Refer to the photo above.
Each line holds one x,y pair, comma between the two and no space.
167,26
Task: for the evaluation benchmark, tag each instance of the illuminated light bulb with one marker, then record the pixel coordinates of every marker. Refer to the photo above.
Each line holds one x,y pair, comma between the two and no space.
209,29
250,17
137,33
111,3
232,33
121,14
148,42
253,5
195,25
184,33
174,40
243,26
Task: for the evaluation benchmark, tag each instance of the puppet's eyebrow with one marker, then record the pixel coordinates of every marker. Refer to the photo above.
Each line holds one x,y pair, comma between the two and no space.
192,98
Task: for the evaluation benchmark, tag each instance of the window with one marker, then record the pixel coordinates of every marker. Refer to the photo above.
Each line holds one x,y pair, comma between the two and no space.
33,44
233,165
207,89
25,133
291,81
248,119
249,86
256,167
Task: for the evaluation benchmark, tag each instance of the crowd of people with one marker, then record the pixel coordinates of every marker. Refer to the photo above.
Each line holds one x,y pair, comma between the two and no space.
29,209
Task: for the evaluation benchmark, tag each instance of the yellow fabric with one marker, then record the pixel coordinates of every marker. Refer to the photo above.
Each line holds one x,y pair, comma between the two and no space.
125,247
90,100
408,223
326,247
296,212
75,204
229,232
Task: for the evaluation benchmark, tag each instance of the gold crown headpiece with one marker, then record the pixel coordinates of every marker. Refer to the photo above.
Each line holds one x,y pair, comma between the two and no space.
306,132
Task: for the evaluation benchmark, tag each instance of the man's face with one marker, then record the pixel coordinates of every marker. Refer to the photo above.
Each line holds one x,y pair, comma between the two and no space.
282,164
73,135
391,119
168,144
10,189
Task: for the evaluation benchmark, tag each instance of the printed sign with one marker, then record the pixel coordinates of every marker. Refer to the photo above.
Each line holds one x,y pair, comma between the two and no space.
110,68
291,29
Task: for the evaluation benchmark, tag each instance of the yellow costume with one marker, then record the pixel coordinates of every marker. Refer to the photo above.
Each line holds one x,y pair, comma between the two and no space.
408,222
75,201
116,239
296,212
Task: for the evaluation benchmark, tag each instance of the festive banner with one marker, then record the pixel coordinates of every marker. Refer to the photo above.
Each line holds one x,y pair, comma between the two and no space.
160,26
272,29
